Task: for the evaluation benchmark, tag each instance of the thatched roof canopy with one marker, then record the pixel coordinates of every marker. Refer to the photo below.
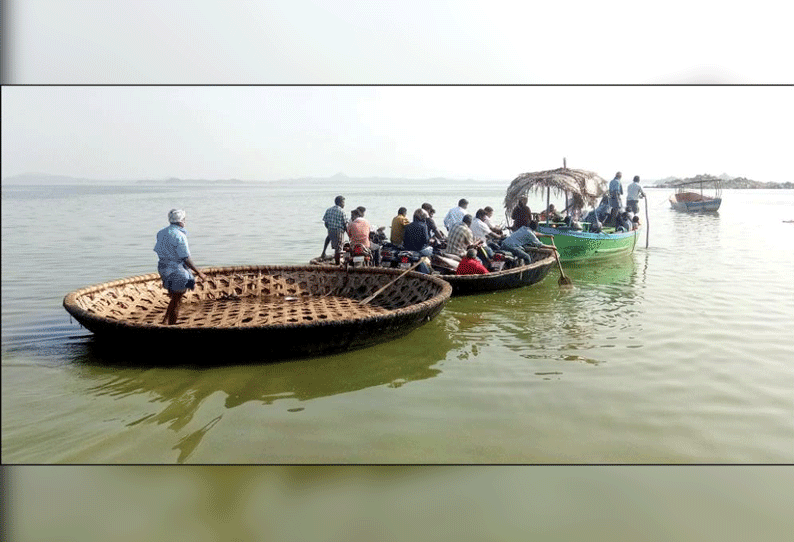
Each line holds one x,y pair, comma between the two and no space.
577,182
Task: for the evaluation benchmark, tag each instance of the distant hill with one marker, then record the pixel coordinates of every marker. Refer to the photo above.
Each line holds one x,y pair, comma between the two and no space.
43,178
727,182
46,179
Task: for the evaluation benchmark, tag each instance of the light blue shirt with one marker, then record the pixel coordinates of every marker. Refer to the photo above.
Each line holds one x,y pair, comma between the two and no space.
454,217
615,188
634,191
522,236
172,248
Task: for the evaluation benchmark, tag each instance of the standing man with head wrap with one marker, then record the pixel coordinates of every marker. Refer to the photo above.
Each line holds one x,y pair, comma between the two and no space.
175,264
615,192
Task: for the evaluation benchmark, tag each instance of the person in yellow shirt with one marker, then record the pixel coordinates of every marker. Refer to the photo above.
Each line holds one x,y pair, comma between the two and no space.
398,224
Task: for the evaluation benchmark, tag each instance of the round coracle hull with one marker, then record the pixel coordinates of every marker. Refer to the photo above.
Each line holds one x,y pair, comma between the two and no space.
280,311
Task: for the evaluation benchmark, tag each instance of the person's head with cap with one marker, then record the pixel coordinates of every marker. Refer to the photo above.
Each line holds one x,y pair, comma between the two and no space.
361,210
176,216
463,203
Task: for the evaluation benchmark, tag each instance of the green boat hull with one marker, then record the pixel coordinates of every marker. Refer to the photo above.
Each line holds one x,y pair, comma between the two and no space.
582,247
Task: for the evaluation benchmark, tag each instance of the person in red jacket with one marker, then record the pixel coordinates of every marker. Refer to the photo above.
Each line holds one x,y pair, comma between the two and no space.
470,264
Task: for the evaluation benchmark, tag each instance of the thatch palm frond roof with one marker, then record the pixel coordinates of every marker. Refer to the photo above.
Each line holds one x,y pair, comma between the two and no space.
587,185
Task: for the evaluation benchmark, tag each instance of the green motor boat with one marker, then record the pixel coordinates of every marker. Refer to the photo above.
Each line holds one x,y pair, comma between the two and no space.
580,188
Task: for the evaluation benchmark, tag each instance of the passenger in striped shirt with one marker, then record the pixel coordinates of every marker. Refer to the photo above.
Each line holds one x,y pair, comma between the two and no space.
336,223
460,238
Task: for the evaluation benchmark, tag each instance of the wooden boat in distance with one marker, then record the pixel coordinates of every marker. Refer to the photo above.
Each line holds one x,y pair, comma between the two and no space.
281,311
688,201
515,277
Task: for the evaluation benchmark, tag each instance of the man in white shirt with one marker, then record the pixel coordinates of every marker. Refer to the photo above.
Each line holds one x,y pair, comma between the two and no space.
489,220
482,232
455,215
633,194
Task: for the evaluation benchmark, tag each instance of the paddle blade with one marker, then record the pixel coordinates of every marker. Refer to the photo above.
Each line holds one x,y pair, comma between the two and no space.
565,282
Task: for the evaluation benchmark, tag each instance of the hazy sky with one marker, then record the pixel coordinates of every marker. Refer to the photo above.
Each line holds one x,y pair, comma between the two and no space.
406,41
264,133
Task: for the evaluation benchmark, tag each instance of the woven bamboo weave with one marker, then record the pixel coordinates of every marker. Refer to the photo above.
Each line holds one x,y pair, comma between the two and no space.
259,296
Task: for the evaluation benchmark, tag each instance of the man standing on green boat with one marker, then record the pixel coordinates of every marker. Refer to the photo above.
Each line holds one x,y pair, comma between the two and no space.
633,194
615,191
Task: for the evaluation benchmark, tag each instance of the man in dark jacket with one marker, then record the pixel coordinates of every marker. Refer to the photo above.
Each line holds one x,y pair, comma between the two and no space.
416,236
522,215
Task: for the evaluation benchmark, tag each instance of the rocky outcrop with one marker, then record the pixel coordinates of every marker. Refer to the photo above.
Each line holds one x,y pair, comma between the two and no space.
727,182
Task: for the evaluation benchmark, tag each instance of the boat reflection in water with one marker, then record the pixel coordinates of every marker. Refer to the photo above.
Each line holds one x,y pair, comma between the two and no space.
550,323
181,391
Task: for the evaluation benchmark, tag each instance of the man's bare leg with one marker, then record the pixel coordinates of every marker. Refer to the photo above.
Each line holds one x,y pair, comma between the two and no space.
172,312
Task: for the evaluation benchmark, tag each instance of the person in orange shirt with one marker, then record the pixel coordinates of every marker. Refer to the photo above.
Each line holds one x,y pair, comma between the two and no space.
358,229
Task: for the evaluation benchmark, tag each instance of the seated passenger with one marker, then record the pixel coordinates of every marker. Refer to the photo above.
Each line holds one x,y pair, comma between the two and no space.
398,225
461,239
482,233
571,223
432,229
416,237
515,243
623,222
552,213
358,228
470,265
489,220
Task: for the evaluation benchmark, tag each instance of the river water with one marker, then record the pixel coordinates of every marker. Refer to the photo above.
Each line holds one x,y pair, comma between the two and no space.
679,353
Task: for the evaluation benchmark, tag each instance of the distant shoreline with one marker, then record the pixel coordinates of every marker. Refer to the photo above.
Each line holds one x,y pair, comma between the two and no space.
63,180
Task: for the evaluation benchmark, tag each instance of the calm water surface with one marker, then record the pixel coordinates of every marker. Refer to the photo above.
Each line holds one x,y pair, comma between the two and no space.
681,352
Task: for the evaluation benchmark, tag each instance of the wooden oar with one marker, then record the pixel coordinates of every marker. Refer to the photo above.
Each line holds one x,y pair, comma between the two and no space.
564,281
647,224
373,296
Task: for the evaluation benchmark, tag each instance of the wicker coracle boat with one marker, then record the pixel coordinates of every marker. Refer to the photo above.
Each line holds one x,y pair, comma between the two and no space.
282,311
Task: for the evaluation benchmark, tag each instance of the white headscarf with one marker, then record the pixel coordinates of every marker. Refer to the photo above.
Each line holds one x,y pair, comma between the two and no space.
176,215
